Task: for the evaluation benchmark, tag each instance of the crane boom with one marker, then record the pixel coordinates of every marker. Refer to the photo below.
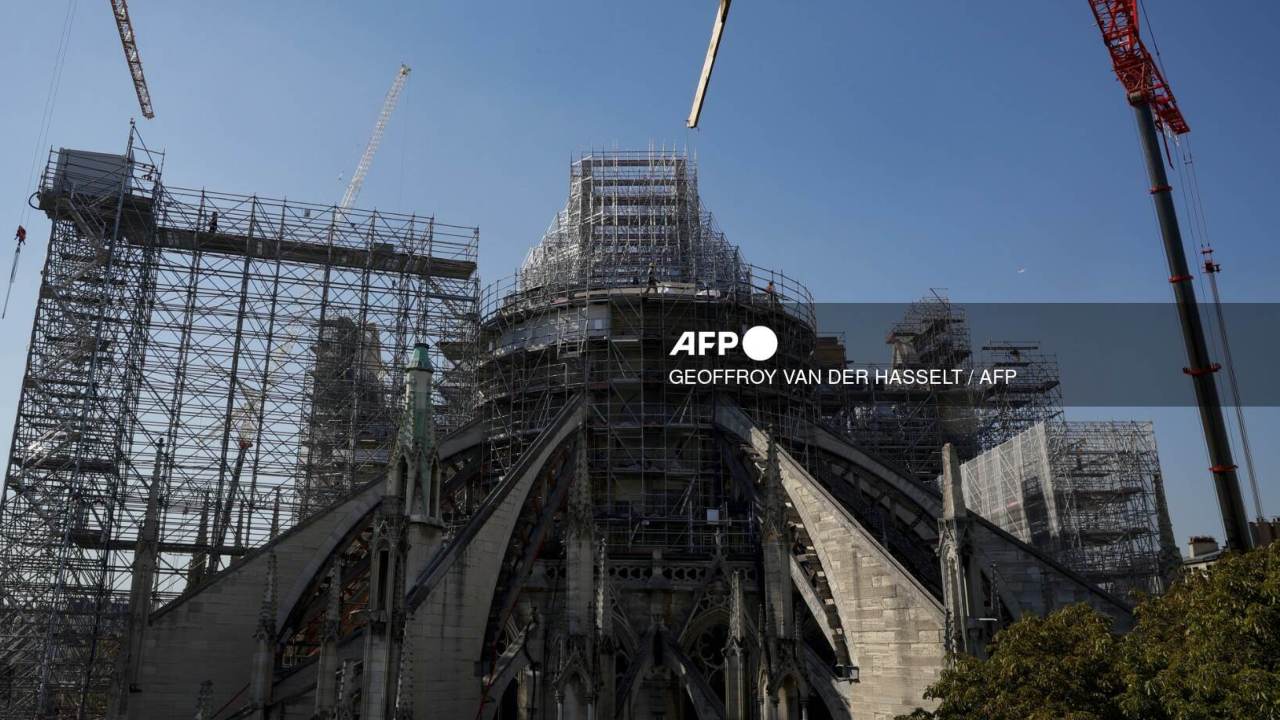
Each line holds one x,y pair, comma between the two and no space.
366,160
131,56
1135,67
1154,108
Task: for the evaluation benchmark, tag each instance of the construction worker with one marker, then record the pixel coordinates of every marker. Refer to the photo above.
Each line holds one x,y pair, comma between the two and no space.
772,294
653,279
21,236
213,223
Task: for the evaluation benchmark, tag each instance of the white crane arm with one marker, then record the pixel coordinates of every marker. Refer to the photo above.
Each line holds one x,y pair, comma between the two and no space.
131,56
388,106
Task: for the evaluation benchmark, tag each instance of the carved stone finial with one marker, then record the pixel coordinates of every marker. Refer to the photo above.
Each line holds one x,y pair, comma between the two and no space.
604,609
737,609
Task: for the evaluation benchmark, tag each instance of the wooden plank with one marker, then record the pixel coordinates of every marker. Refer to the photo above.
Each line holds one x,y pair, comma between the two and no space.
700,94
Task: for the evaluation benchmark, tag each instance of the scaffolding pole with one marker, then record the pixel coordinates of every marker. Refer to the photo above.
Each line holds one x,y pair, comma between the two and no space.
256,338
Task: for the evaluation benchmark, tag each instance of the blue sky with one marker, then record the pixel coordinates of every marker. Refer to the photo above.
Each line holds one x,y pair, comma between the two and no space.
873,150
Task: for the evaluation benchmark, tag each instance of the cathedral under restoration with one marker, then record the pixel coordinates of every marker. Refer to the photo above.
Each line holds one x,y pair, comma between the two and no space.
593,540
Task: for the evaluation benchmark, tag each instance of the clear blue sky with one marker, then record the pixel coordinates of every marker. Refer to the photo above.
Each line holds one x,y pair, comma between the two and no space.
873,150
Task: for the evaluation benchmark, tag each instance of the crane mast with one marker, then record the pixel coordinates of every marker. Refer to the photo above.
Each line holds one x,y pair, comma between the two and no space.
121,11
1133,65
1156,109
366,160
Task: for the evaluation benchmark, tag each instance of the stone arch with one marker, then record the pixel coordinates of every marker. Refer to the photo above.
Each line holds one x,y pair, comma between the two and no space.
495,692
792,680
574,676
516,661
835,706
701,622
705,702
703,642
468,568
771,690
359,511
624,634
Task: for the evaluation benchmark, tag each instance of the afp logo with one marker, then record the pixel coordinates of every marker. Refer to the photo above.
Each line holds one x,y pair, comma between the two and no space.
759,343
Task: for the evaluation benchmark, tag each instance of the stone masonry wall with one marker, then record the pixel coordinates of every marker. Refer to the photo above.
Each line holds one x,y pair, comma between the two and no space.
446,632
208,634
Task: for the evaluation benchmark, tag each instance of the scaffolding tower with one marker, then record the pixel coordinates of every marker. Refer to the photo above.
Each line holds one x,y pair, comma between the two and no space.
907,425
631,262
230,347
1089,493
1034,395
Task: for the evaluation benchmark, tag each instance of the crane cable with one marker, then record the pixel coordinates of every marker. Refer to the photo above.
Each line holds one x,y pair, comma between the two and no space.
13,273
1207,271
1207,275
42,135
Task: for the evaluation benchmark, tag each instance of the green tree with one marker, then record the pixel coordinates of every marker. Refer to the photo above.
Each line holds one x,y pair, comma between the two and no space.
1062,667
1209,649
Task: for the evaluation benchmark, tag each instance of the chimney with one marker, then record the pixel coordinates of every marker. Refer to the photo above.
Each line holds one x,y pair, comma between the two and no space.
1201,545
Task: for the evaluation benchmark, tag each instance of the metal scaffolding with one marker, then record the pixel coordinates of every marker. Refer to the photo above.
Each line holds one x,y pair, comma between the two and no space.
631,262
234,347
907,425
1089,493
627,211
1008,408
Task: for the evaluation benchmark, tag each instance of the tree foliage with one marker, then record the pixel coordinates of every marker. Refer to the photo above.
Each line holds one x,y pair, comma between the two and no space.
1208,649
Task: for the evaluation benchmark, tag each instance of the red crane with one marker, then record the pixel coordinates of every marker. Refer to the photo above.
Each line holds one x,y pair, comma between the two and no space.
1136,68
1155,108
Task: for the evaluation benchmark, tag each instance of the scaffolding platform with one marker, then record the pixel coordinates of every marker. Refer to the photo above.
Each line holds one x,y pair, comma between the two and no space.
1088,493
241,351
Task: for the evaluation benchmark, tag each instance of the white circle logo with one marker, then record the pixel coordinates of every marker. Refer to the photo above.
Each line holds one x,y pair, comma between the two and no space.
759,343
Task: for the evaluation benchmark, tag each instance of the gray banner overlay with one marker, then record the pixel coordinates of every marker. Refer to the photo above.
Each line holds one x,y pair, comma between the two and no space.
1108,354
